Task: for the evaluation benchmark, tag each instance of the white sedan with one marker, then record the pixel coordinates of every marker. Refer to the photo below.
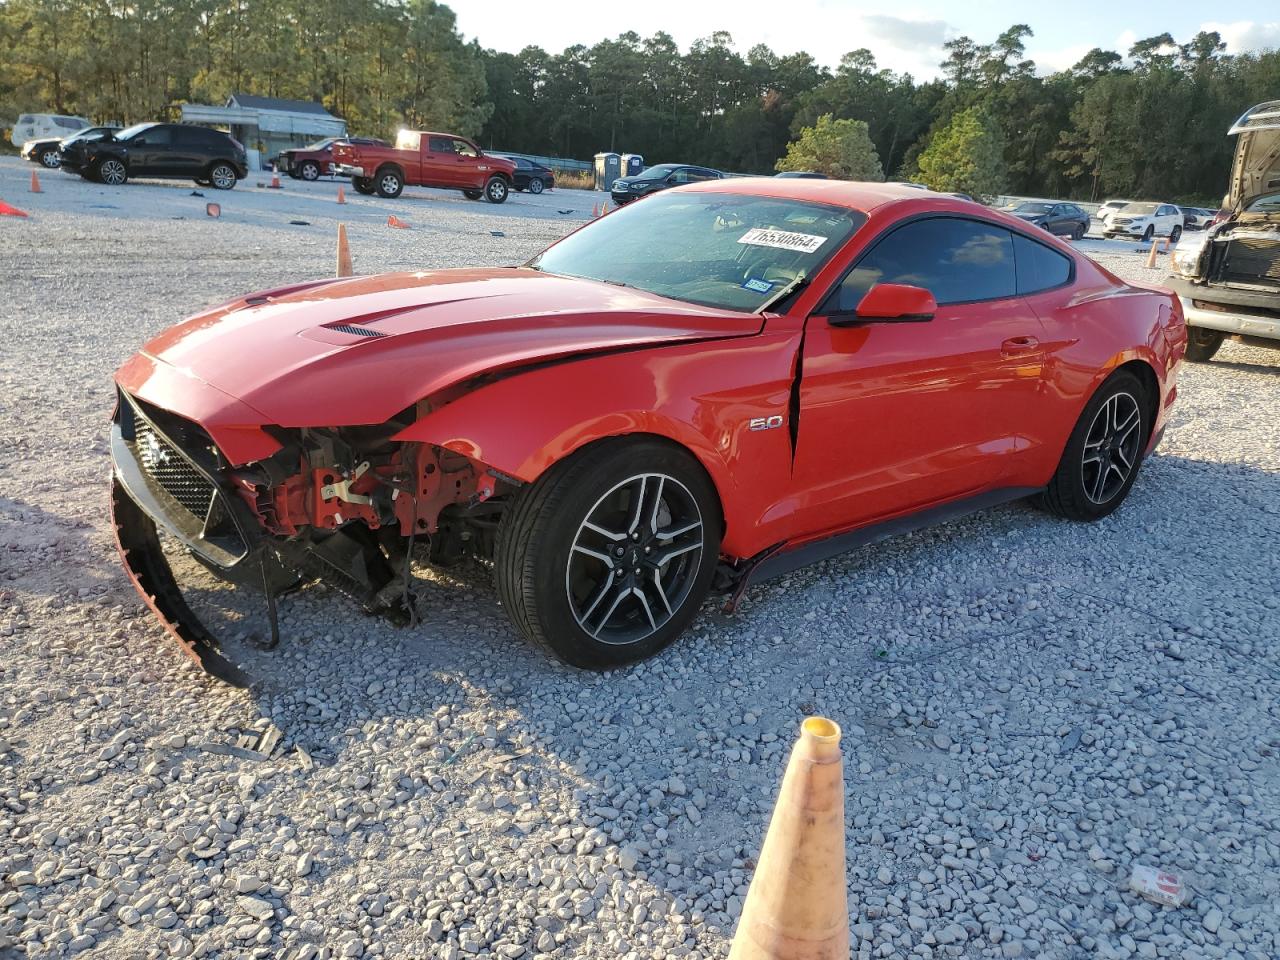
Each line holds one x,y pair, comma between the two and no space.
1143,221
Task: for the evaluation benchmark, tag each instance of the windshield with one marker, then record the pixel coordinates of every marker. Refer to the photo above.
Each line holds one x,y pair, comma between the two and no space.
1267,204
660,172
319,144
1139,208
1033,208
129,132
89,133
714,249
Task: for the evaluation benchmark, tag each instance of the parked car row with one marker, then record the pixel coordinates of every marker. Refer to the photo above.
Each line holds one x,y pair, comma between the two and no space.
47,151
170,150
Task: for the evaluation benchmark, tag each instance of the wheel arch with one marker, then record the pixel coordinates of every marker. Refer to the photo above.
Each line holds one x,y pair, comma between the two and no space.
388,165
1146,375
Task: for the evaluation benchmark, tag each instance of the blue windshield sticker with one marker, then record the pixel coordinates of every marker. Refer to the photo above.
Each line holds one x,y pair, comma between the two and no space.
757,285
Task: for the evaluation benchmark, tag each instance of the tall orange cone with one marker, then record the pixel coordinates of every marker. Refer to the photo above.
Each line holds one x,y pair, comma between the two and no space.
35,183
344,252
1151,254
797,905
342,197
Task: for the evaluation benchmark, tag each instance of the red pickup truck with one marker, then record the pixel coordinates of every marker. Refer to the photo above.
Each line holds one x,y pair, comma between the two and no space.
424,159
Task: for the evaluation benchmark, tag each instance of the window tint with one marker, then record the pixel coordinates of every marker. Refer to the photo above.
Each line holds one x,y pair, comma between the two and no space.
25,119
155,136
440,145
1039,268
955,260
464,149
188,137
681,176
68,123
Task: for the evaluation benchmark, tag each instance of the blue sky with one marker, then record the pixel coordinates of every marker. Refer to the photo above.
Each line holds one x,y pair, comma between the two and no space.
904,36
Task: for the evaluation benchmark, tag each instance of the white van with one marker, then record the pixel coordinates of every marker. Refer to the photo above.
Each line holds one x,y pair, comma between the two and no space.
34,126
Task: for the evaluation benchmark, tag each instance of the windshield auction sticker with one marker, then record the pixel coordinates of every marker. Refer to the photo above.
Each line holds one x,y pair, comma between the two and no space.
783,240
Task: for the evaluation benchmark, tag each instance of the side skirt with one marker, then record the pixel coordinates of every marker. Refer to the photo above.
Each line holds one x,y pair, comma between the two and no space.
782,559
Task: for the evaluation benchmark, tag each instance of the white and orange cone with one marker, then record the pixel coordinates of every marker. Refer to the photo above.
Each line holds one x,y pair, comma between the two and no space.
797,905
344,252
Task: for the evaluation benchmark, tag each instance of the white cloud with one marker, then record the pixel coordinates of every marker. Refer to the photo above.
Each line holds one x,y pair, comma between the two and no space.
1243,36
905,45
1062,58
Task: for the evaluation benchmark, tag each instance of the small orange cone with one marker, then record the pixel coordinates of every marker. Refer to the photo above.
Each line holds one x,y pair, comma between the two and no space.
342,197
275,178
213,210
8,211
35,183
394,221
1151,254
797,905
344,252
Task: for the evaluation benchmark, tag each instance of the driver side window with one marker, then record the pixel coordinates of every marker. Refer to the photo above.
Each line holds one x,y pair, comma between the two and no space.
958,261
464,149
680,176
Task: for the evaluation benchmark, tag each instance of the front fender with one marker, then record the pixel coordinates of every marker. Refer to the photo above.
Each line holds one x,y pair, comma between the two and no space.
701,396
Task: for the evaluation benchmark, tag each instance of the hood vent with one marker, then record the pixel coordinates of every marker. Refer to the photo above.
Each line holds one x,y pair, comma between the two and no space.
356,331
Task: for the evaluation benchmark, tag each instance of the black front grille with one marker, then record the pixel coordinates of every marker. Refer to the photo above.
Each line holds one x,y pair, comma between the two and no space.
163,463
1253,260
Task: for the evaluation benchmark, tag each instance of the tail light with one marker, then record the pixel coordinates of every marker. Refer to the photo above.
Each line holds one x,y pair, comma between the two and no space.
1220,215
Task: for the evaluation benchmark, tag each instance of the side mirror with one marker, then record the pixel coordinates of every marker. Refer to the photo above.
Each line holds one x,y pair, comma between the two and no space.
891,303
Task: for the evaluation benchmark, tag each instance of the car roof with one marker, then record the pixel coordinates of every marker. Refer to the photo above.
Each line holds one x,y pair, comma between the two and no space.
855,194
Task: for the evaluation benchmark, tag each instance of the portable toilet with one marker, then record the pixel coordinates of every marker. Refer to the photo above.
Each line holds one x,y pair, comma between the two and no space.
608,169
632,163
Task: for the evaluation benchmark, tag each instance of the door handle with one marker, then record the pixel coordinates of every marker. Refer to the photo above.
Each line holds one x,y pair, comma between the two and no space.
1018,346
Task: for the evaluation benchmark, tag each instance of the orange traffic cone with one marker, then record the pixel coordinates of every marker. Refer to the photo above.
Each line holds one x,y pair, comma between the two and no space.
1151,254
213,210
344,252
342,197
797,905
8,211
394,221
275,178
35,183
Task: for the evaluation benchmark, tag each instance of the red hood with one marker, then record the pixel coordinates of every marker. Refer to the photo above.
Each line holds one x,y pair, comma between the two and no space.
304,356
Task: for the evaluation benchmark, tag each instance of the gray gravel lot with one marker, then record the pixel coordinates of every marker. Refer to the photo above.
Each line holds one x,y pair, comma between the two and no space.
1030,706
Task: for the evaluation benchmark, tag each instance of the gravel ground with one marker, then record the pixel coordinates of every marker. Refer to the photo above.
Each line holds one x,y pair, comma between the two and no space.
1030,706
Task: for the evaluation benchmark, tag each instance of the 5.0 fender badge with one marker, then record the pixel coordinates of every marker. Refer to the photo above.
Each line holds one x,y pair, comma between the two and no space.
764,423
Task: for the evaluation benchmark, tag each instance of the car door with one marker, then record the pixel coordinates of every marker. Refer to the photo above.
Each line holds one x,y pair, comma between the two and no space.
149,152
1058,221
895,416
439,162
189,152
1168,218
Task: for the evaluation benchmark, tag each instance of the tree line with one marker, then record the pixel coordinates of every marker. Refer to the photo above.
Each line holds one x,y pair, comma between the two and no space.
1149,121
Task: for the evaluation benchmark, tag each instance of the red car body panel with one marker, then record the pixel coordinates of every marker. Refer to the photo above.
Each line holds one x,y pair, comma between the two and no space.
516,370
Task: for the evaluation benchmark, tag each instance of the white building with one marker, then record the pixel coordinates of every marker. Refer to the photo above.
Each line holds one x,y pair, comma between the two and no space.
267,125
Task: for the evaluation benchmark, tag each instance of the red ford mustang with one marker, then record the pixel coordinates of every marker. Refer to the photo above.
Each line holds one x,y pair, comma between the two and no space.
716,384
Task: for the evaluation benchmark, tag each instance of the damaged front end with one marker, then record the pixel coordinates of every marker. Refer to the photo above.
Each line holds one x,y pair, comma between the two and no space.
340,505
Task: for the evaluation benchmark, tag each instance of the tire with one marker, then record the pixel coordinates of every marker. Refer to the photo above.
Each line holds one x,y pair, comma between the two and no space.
363,185
222,176
554,572
536,185
309,170
200,182
1175,234
1104,452
1202,344
496,190
293,174
388,183
112,172
50,159
1077,232
473,194
1150,233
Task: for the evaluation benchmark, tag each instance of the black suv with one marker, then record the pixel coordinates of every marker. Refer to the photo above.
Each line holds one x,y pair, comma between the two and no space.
660,177
208,157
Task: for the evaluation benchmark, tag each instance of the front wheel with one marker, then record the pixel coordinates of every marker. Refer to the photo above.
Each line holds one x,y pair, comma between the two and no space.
50,158
1103,453
1202,344
473,194
1175,235
1149,234
389,184
310,170
363,185
112,172
606,558
495,191
222,176
1077,232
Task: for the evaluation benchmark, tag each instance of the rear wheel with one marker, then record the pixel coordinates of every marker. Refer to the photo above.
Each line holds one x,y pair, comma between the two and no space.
222,176
112,172
389,183
310,170
495,191
363,185
1202,344
607,556
535,185
1103,453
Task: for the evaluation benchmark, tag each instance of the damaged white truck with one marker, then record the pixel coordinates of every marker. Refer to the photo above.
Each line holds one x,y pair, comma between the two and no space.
1228,276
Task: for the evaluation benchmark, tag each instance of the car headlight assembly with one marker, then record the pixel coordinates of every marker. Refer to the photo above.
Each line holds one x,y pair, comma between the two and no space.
1186,255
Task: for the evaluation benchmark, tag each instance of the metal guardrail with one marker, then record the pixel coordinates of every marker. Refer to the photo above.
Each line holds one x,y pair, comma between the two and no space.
558,164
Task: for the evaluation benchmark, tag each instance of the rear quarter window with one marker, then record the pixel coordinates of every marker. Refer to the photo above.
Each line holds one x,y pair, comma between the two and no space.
1038,267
